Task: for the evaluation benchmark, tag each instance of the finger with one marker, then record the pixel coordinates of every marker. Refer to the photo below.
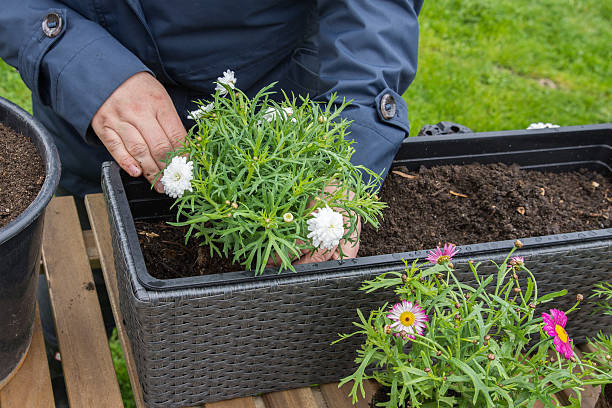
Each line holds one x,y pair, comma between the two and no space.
171,124
137,147
116,148
320,255
156,139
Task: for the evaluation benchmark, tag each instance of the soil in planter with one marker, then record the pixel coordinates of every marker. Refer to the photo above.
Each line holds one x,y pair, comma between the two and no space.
459,204
480,203
21,174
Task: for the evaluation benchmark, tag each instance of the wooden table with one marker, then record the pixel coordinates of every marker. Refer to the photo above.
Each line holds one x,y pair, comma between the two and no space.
69,254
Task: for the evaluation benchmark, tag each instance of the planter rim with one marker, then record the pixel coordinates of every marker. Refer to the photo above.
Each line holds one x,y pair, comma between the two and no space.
120,211
48,153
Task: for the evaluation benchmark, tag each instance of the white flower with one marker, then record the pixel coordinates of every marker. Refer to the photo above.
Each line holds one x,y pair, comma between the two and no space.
198,113
541,125
177,177
272,112
288,217
326,228
228,79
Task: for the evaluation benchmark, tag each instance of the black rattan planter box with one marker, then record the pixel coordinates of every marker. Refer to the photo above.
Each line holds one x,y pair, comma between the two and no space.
227,335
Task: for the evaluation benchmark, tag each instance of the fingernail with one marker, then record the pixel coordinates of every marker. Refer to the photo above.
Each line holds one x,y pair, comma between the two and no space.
134,170
159,188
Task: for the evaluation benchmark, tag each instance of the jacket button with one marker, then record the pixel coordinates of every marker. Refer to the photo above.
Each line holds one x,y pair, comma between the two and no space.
388,106
52,25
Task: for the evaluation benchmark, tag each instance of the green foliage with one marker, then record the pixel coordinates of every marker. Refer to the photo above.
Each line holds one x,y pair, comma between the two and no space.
256,161
603,291
476,350
503,64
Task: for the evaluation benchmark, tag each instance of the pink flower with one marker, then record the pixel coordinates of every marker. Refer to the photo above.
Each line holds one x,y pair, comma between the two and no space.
409,318
554,326
441,256
516,262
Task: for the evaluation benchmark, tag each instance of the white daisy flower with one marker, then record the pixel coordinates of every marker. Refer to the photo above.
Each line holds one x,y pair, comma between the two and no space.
541,125
288,217
228,79
408,318
177,177
326,228
198,113
272,113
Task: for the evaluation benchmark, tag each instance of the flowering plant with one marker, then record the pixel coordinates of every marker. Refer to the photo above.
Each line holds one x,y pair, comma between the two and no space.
452,344
601,345
264,180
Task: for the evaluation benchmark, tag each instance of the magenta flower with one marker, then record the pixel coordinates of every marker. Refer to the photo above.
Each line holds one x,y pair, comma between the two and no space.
440,256
408,318
554,326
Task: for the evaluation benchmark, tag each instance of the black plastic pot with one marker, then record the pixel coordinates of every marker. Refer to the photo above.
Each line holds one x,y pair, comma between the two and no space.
231,334
20,245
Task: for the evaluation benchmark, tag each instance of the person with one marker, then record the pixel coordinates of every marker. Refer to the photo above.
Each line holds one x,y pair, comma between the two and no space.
116,79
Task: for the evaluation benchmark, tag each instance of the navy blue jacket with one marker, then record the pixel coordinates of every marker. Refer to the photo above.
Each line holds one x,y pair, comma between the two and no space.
365,50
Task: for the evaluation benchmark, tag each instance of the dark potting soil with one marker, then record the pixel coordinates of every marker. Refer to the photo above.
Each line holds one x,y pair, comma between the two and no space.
482,203
459,204
21,174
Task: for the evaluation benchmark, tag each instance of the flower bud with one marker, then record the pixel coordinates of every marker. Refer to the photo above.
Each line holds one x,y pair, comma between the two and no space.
579,297
457,316
427,370
467,296
491,356
518,244
227,202
404,278
515,276
531,305
517,290
439,353
229,215
387,329
475,341
255,158
235,205
457,305
608,357
199,138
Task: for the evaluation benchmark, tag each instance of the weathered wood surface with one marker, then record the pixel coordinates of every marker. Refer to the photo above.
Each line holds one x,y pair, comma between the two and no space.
88,368
100,227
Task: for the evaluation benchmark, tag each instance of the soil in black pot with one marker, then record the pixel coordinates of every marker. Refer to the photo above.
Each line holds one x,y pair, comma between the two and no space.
21,174
459,204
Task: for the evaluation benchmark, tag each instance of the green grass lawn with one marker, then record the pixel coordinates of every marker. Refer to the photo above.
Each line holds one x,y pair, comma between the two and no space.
489,65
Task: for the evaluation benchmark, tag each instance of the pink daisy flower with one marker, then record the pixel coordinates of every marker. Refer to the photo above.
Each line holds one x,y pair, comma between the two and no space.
408,318
440,256
516,262
554,326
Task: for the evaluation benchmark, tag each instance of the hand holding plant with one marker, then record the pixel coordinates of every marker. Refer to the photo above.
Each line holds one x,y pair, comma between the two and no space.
245,177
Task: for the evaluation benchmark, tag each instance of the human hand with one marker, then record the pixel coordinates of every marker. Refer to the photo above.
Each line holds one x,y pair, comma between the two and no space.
138,124
349,247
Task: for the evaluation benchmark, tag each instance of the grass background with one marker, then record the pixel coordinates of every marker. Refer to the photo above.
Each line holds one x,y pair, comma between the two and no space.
489,65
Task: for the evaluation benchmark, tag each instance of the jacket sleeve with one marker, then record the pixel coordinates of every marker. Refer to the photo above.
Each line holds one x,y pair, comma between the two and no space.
368,54
75,68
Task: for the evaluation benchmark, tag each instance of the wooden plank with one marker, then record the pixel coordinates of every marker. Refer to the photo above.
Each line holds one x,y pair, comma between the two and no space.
338,397
298,398
86,359
98,219
31,386
233,403
92,249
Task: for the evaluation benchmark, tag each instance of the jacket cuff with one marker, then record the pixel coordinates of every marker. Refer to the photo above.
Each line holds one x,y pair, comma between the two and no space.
75,71
377,135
